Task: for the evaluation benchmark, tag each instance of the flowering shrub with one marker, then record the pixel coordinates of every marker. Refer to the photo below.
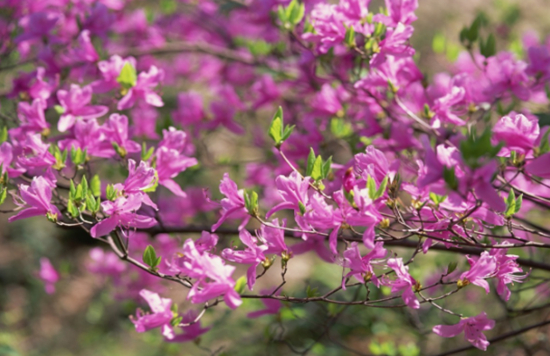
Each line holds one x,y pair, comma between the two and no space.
456,165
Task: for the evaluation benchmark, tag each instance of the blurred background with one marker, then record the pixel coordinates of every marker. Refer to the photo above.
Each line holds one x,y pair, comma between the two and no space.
87,314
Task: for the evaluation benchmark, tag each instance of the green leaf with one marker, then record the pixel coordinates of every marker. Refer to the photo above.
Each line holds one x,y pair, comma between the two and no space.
371,187
128,76
276,128
240,285
326,168
251,203
349,38
437,199
110,192
310,161
451,267
519,201
316,170
340,128
59,109
176,321
150,257
488,48
510,203
3,195
4,134
168,6
91,203
302,208
382,189
450,178
312,292
72,209
95,186
146,153
439,43
295,12
72,189
84,184
287,132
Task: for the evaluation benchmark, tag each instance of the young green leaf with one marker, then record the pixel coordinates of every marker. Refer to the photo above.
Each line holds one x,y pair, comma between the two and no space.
150,257
316,170
276,128
382,189
371,187
128,76
95,186
240,284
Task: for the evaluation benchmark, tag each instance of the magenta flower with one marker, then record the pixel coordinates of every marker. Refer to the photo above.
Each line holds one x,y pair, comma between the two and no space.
360,267
213,276
33,152
272,306
160,317
293,190
518,133
140,178
443,108
253,255
375,164
48,275
394,44
38,196
539,166
506,267
110,70
169,164
75,105
399,11
472,328
404,282
190,109
367,215
32,116
192,331
122,213
37,26
116,131
233,203
274,238
6,159
482,268
143,90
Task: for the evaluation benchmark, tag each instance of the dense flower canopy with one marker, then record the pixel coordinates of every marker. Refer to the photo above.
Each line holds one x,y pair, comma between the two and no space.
112,128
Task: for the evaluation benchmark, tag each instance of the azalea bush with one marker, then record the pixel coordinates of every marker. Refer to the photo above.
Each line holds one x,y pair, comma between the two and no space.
205,154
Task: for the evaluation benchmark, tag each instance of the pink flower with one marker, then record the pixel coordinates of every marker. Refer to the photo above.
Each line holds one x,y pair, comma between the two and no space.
48,275
360,267
233,203
274,238
482,268
472,328
404,282
394,44
75,104
143,89
116,131
190,109
518,133
122,213
110,70
192,331
506,267
32,116
443,108
293,190
213,276
252,255
38,195
160,317
272,306
139,179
